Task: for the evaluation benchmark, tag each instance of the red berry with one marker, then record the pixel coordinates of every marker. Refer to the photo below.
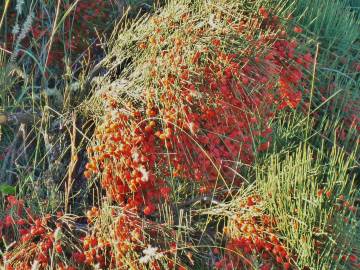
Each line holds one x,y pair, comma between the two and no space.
148,210
58,248
353,258
79,257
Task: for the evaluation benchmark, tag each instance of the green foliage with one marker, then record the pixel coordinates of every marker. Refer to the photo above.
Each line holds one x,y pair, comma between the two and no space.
303,187
7,189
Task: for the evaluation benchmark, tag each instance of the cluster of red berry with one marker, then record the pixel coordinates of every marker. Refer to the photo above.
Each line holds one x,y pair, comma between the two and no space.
121,244
211,95
205,113
256,244
32,239
13,208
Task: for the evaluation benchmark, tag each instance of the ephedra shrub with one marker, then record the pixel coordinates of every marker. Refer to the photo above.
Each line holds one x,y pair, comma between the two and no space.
189,102
202,105
199,89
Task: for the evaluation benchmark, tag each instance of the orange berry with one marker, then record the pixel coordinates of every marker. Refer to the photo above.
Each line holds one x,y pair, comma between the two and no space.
152,40
298,29
142,46
162,136
87,174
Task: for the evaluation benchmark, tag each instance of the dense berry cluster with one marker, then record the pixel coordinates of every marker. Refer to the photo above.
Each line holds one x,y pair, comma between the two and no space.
109,252
13,216
210,96
207,108
256,244
125,242
205,113
34,240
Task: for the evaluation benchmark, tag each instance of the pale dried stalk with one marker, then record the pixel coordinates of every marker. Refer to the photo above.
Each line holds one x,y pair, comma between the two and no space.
72,164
